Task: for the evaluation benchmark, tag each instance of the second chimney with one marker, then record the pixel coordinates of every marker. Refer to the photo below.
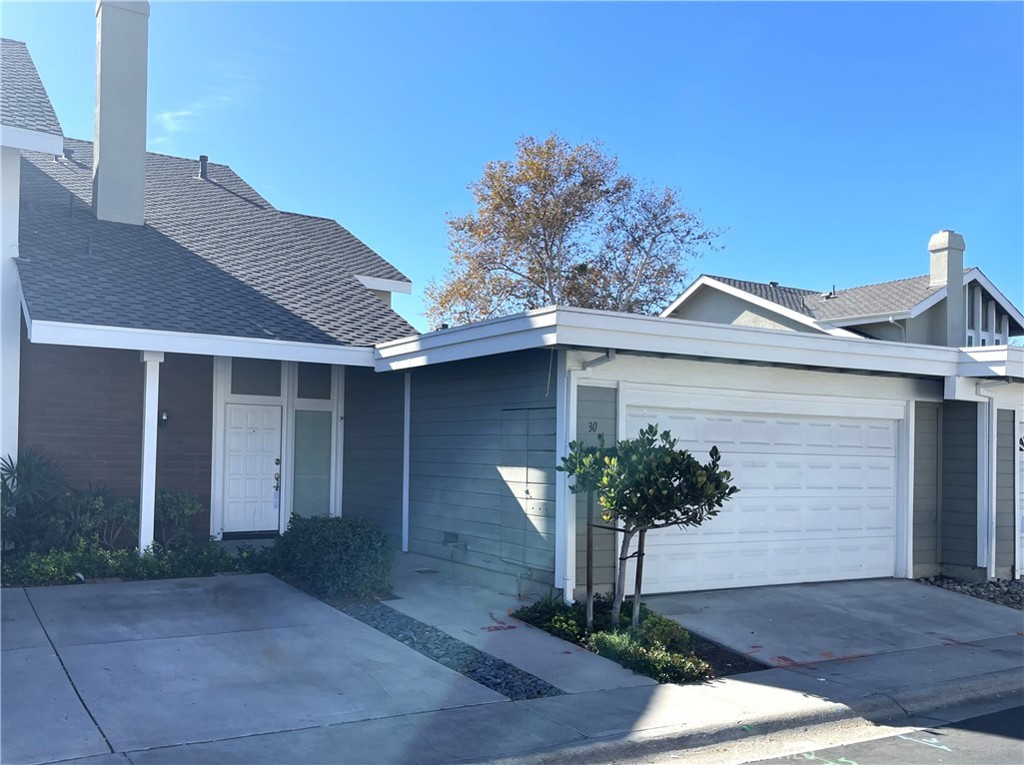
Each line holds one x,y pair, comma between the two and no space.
119,148
947,268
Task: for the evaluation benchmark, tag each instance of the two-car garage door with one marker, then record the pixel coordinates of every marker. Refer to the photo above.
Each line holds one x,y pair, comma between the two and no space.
817,500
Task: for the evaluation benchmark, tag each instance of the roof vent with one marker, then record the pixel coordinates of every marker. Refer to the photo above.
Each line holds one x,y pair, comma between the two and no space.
773,284
203,159
831,295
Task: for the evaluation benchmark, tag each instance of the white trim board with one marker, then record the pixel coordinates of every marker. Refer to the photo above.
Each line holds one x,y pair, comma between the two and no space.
582,328
31,140
385,285
130,338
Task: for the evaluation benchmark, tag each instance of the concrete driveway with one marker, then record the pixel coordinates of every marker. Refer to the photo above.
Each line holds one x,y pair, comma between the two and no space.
132,666
878,636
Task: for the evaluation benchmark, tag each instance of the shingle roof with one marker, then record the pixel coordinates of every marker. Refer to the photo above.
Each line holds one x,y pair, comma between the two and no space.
788,297
214,258
23,100
872,299
868,300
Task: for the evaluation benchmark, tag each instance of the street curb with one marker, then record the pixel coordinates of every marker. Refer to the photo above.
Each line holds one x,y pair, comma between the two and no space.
875,708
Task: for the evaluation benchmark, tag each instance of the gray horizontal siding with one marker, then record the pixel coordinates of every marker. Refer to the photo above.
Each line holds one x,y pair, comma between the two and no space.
482,468
372,481
1006,452
926,489
959,531
596,415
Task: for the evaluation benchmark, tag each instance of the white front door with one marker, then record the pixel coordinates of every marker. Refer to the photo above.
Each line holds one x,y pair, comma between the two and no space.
817,501
252,489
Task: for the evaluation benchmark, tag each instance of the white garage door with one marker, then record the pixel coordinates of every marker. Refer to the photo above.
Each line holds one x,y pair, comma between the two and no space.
817,501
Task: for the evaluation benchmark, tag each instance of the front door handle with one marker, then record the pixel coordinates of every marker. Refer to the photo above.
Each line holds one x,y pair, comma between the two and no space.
277,482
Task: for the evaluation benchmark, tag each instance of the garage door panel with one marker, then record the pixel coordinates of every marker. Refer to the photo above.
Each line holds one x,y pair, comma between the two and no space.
817,501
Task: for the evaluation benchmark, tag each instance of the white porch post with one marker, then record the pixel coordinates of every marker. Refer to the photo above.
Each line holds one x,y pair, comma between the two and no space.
151,360
10,303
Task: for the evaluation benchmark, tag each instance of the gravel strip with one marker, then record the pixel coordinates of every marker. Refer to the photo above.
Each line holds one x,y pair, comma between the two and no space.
1004,592
489,671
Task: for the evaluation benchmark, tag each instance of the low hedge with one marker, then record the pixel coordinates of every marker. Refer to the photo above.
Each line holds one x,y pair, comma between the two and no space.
91,559
658,647
333,557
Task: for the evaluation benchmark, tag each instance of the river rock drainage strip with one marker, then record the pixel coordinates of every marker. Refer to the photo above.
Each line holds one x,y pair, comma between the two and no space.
489,671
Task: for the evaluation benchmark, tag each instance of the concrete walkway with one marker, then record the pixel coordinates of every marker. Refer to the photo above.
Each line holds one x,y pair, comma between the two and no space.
248,670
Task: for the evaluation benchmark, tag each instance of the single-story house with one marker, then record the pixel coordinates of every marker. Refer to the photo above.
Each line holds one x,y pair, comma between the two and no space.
164,325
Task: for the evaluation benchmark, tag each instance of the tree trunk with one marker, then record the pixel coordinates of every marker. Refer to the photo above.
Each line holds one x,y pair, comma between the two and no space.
590,562
620,581
639,576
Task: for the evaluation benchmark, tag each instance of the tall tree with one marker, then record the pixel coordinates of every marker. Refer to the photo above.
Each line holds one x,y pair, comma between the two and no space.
560,225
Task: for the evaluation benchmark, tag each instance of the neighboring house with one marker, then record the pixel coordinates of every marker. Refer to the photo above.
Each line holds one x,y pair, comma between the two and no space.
910,310
291,387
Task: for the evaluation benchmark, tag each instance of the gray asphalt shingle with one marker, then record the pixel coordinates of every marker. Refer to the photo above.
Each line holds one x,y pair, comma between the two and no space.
213,258
23,100
868,300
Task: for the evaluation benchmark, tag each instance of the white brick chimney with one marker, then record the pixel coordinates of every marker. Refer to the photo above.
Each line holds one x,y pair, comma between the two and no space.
947,268
119,148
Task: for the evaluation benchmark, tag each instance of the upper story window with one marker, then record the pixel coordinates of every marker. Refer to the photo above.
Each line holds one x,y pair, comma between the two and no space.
970,307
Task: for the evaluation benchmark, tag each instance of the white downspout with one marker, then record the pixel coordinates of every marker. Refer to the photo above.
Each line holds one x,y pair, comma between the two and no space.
406,453
987,477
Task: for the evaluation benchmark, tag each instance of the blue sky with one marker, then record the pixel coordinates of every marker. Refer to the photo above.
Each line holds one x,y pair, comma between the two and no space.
831,140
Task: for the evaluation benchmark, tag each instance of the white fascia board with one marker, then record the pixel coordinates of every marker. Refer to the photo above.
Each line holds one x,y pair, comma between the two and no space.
31,140
687,293
975,275
385,285
130,338
535,329
678,337
991,361
807,321
577,327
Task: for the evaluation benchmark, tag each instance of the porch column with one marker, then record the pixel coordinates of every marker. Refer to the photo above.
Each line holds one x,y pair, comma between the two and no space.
10,303
150,412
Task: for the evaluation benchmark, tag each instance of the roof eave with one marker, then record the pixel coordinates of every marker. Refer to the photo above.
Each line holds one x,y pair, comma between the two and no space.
135,339
575,327
12,137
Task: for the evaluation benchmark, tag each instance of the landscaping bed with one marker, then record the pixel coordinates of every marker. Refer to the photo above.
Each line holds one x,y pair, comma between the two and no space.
1003,592
658,647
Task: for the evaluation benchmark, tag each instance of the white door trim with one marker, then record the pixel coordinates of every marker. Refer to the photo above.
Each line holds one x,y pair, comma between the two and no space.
289,402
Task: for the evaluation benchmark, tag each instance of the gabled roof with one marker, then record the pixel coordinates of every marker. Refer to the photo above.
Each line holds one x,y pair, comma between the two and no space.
214,258
23,100
895,297
901,298
792,298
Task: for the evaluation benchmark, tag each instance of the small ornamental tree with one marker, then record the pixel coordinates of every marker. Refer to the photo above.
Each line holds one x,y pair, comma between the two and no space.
649,484
585,465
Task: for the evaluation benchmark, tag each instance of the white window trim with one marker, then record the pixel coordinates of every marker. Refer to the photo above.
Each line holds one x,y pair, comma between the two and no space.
289,402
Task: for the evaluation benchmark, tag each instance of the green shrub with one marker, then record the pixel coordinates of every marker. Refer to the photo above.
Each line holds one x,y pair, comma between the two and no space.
659,647
334,556
628,649
658,630
92,559
29,488
173,516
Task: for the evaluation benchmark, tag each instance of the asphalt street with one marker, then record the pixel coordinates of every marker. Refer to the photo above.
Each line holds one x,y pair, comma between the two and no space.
992,739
